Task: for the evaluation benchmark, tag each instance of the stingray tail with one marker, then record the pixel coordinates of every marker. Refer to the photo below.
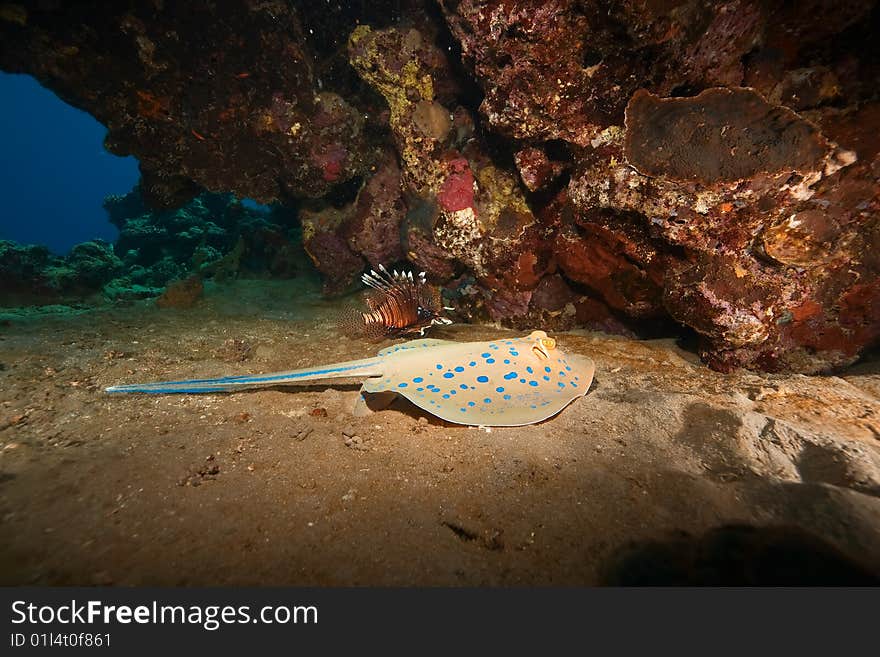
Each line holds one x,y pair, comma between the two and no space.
354,368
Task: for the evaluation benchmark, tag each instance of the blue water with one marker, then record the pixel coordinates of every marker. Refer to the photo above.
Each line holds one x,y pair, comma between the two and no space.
54,171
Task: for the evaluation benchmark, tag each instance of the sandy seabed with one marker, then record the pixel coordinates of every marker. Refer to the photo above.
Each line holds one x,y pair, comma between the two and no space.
666,472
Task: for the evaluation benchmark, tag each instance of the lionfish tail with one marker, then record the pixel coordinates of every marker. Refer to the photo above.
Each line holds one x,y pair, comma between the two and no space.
353,323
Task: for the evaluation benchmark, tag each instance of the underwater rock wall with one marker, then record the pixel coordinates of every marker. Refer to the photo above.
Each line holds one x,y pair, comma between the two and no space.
562,162
224,99
720,162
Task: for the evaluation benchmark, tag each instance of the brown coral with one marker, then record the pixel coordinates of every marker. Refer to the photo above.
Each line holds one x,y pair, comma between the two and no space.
182,294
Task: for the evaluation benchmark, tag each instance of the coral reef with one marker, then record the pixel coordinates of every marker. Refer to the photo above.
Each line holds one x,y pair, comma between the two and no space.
31,274
231,105
773,221
709,177
212,236
329,250
374,228
463,210
22,269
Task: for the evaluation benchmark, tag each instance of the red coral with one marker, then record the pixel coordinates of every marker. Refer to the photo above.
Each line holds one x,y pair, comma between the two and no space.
457,191
331,161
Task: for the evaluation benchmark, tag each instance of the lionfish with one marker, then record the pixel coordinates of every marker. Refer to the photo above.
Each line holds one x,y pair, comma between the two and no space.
399,305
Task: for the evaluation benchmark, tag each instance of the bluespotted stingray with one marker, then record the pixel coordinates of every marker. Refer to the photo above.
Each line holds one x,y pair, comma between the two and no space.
501,383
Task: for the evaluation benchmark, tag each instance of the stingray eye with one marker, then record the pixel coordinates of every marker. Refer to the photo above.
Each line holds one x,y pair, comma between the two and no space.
549,343
538,350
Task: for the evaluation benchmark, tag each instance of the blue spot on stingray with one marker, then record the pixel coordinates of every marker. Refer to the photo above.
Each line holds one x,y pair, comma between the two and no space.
533,383
463,386
487,401
483,379
573,384
522,380
486,355
445,396
471,404
448,375
419,389
462,409
529,369
508,342
401,385
507,396
546,369
493,346
439,366
533,406
561,384
418,379
546,378
567,368
499,389
514,353
562,374
490,360
507,361
459,369
577,378
510,375
472,363
452,392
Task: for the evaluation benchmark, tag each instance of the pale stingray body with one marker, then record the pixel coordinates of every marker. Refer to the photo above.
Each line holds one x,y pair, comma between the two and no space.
505,382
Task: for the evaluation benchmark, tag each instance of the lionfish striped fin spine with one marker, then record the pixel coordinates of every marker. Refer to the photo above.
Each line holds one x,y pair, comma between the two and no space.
399,302
374,280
